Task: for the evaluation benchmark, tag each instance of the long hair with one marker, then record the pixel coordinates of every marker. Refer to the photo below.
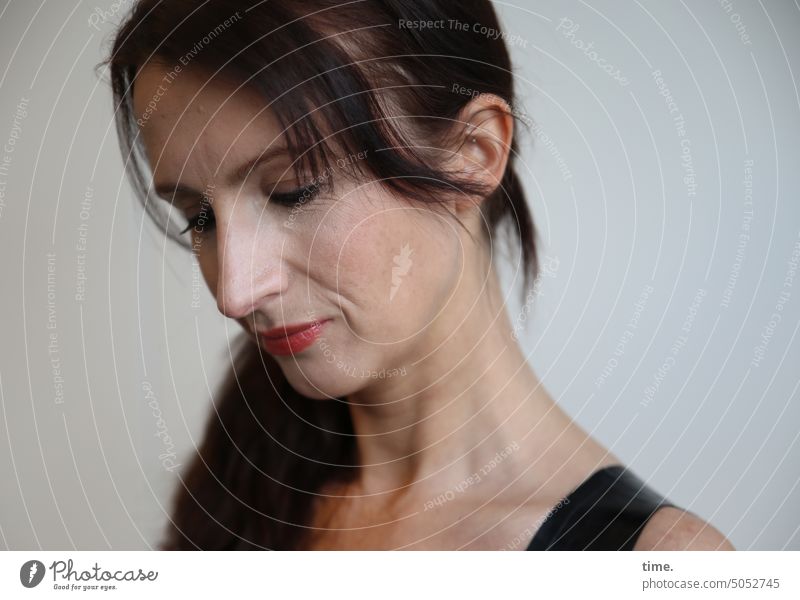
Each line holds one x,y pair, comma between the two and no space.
382,77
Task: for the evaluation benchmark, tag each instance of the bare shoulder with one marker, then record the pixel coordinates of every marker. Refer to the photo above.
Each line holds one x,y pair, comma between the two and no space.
672,528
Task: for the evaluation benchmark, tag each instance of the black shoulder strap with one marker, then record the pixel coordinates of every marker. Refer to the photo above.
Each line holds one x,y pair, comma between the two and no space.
606,512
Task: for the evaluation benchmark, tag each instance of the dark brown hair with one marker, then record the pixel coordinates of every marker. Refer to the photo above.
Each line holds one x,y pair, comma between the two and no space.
369,73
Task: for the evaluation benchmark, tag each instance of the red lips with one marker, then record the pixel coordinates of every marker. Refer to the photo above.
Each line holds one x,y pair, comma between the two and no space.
291,339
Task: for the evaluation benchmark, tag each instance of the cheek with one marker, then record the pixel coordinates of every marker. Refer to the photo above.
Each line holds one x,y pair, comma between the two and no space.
394,269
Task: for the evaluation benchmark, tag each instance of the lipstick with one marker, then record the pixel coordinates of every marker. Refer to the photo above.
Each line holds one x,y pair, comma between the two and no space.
291,339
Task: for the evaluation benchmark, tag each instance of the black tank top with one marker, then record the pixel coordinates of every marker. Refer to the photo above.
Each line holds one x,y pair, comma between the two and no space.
606,512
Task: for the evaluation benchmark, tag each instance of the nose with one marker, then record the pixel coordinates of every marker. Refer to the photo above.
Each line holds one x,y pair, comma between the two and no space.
251,270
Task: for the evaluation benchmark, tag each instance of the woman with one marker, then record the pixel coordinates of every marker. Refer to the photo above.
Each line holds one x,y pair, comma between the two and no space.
345,171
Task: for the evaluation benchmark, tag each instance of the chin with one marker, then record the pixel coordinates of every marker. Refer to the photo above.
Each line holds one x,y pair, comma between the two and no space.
327,385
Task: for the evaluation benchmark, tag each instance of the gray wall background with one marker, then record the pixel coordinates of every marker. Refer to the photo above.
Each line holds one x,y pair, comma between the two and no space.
694,384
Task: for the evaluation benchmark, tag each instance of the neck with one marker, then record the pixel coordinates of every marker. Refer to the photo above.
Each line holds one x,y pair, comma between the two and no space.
471,397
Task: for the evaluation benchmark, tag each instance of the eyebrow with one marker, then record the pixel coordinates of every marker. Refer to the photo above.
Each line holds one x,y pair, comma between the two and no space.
168,190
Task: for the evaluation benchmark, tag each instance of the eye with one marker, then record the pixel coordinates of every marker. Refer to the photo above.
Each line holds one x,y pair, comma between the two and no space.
296,197
202,222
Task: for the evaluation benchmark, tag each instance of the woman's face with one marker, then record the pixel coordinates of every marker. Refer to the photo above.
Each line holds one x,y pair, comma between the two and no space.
375,272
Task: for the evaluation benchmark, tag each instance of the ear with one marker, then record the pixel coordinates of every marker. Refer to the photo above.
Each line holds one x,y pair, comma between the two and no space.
484,132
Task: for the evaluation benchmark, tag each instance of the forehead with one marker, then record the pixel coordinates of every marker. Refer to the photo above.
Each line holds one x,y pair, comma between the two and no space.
197,125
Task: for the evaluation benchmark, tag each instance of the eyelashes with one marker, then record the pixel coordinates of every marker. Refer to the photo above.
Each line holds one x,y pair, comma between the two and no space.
194,223
296,197
204,220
